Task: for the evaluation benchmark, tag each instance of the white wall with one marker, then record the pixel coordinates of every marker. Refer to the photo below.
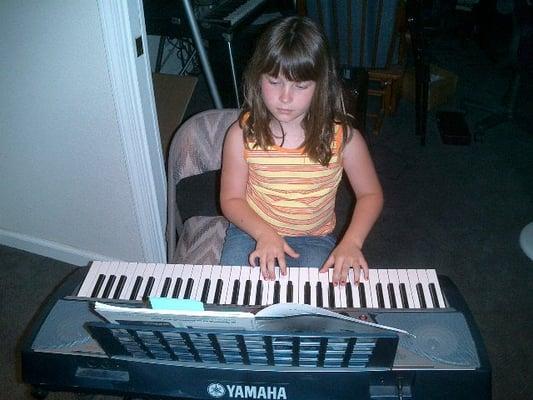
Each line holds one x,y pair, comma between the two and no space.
64,185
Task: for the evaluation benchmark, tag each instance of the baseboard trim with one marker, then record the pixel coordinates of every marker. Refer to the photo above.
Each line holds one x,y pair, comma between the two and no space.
47,248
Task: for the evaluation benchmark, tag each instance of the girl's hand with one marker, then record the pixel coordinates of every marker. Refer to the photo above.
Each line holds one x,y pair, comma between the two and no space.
345,255
269,248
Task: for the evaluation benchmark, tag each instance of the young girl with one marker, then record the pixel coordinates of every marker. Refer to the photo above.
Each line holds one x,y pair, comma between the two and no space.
283,161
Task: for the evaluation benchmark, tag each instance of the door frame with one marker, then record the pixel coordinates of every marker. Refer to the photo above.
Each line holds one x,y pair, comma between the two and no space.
133,94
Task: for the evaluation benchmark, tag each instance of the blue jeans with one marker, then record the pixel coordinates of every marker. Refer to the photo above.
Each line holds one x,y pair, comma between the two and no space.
313,250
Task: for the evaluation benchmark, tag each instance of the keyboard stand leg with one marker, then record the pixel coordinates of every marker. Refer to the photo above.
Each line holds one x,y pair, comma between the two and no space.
233,75
197,37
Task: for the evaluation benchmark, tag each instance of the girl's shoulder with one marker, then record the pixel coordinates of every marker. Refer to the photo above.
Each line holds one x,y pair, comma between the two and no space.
234,136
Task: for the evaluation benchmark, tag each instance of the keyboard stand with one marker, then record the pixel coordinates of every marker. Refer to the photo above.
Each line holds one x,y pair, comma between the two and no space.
198,42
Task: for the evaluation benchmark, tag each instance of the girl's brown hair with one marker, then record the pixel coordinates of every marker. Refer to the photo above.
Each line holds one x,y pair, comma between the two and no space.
296,48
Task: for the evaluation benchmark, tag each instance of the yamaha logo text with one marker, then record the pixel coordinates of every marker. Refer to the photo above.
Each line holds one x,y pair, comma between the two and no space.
219,390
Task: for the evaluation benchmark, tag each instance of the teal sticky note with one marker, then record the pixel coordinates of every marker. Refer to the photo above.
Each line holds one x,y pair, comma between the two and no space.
164,303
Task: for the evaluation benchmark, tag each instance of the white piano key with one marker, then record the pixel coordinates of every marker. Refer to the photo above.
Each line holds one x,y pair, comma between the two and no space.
413,280
123,269
255,276
245,275
159,271
146,274
196,276
90,278
164,271
110,266
265,288
186,273
132,269
313,279
283,280
129,270
323,278
355,288
423,280
216,271
234,277
342,296
204,277
403,278
294,278
174,273
111,272
373,279
383,277
432,278
119,268
303,278
336,289
270,288
366,287
225,275
395,281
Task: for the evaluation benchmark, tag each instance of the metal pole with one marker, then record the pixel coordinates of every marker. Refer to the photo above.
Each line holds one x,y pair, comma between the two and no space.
197,37
234,76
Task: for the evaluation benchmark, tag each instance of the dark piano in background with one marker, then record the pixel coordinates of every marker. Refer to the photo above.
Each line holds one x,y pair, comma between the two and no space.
228,27
231,28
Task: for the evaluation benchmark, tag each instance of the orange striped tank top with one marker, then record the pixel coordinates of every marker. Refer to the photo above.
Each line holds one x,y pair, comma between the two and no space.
292,193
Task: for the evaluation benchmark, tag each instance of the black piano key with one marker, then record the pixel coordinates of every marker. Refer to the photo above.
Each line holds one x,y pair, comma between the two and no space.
259,293
247,292
392,297
331,295
277,289
177,288
434,297
349,296
307,293
109,286
136,287
98,285
205,291
362,295
218,291
166,287
235,293
148,288
403,295
421,298
120,286
188,289
289,292
379,292
319,300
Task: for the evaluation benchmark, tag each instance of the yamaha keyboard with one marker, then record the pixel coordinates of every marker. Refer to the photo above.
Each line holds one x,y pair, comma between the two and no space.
69,347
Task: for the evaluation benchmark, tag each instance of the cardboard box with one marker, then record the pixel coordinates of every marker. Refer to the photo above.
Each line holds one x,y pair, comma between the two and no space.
442,86
172,94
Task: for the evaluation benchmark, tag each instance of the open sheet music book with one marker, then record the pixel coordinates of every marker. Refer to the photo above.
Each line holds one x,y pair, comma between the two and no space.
176,318
285,317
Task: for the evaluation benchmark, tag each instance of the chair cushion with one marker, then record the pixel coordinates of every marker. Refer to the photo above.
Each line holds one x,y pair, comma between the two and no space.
201,241
199,195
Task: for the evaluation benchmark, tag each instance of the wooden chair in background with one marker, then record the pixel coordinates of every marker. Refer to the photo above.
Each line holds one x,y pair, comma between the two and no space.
370,35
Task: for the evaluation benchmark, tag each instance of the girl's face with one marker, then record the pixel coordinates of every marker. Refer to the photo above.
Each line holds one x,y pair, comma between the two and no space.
287,101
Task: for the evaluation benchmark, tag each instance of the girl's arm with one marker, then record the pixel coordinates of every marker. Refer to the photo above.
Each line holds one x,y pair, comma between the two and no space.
269,245
365,183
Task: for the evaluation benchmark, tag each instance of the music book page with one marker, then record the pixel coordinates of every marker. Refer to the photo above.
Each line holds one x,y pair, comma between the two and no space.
176,318
293,309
